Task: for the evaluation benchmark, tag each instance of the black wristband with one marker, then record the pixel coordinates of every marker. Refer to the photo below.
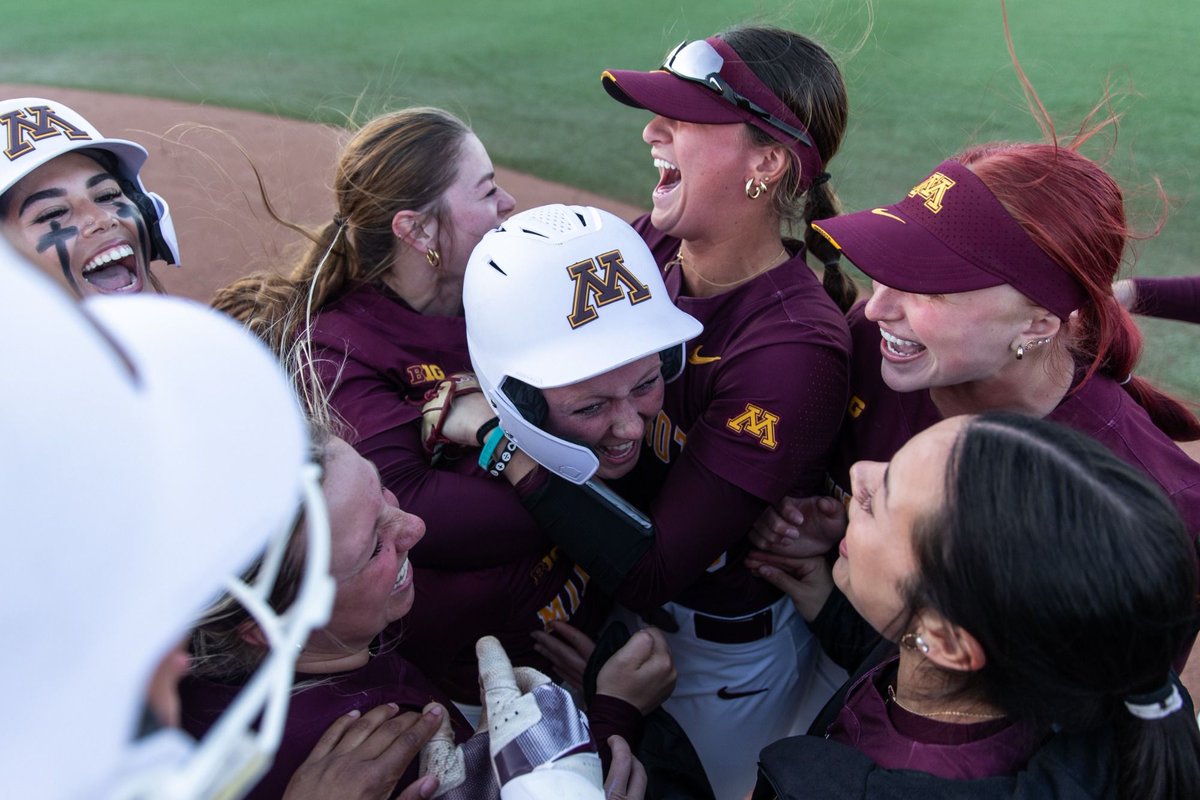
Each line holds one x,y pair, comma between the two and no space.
485,429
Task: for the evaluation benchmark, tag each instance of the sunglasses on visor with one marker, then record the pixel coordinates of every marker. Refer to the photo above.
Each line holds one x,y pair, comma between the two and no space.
699,62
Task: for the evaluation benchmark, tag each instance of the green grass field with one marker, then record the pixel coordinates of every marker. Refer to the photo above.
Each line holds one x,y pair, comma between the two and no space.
929,77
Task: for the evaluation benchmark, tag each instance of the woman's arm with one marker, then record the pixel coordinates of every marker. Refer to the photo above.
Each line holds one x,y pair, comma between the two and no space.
705,506
471,520
1170,298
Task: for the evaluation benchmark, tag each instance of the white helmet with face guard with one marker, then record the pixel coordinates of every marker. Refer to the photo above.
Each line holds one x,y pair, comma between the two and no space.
34,131
153,449
554,296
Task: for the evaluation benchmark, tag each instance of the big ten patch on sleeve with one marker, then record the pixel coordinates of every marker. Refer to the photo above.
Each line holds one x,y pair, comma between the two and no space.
418,374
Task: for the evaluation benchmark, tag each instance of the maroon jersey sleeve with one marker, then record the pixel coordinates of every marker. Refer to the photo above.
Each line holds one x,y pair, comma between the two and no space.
1170,298
737,461
697,516
377,358
471,520
771,423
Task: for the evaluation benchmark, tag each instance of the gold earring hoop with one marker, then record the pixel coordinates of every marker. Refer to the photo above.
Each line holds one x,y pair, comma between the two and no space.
755,190
433,257
913,641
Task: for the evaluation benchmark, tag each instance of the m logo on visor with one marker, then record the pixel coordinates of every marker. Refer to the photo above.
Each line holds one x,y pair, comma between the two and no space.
36,122
933,189
593,291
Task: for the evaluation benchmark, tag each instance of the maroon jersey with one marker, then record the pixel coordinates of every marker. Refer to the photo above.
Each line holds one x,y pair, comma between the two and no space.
386,678
879,421
752,418
1103,410
897,739
484,565
1170,298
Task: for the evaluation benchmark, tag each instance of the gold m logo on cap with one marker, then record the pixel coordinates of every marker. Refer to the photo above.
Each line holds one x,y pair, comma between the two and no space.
36,122
591,288
933,189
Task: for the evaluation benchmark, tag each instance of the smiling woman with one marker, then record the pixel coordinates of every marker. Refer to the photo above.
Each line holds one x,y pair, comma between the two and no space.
72,201
345,666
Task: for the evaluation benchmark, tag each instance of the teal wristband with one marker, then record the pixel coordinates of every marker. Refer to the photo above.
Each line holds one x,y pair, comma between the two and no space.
489,447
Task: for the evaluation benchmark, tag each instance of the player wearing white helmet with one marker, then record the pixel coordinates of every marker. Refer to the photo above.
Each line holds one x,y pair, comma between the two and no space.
542,256
118,537
73,200
570,387
159,453
742,652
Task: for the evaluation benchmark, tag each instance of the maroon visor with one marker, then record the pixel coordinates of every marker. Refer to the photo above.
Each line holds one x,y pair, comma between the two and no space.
706,81
951,234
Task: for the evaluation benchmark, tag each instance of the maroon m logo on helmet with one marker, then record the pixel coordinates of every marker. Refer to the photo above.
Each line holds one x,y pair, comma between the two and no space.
34,123
593,291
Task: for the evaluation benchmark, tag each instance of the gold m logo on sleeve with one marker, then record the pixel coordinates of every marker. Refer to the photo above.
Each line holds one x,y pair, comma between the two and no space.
593,291
933,189
756,422
35,122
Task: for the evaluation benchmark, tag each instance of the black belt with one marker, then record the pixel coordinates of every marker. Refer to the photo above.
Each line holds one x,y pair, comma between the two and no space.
734,631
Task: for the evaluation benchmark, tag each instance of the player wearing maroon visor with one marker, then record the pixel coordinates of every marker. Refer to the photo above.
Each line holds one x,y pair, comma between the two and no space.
760,398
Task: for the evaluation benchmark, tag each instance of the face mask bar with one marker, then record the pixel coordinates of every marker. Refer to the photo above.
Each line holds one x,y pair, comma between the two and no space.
699,62
232,755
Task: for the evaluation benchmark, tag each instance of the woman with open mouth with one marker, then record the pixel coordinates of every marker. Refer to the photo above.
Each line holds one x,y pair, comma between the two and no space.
992,290
744,124
351,663
73,202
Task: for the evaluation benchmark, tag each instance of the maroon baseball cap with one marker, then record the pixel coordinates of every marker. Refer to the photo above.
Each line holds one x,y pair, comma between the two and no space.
706,81
951,234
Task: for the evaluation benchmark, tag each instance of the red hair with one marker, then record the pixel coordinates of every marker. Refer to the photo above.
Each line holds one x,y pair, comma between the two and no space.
1075,212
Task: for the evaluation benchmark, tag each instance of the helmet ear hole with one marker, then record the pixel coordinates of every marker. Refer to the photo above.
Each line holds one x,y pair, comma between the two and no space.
159,250
672,362
528,400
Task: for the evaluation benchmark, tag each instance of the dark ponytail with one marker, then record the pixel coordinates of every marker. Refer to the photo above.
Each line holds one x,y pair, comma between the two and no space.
822,203
1077,577
1159,757
805,77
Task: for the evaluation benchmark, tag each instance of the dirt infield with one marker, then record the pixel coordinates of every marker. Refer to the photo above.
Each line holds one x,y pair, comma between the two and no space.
224,232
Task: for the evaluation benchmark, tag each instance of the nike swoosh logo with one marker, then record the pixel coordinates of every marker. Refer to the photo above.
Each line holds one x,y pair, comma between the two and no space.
725,694
883,212
694,357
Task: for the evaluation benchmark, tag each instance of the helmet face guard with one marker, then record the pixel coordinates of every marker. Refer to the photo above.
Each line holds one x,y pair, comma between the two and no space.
35,131
239,748
176,498
554,296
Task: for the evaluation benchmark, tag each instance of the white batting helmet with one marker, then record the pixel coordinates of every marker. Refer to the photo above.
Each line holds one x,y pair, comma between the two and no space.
152,450
34,131
556,295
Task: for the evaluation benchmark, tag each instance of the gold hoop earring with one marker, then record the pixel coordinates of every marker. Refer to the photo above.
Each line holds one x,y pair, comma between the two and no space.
433,257
753,190
914,641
